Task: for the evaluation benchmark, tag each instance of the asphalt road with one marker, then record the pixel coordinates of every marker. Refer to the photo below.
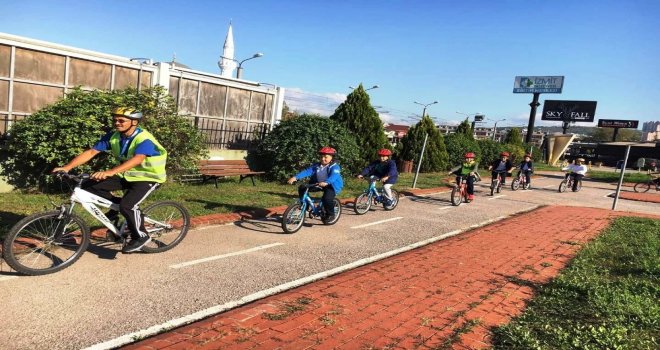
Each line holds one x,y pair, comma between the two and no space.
106,294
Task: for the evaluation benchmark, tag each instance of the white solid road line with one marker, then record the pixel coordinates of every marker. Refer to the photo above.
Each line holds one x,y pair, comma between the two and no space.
378,222
214,310
4,278
211,258
496,197
445,208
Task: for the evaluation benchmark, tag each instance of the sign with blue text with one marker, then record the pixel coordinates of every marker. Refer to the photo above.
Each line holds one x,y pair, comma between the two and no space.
569,111
544,85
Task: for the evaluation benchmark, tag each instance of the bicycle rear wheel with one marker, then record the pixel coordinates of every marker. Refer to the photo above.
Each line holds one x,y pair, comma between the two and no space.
362,204
293,218
337,208
44,243
562,186
395,201
456,196
642,187
167,224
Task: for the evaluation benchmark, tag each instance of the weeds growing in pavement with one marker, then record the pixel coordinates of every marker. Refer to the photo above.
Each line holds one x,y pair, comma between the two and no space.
607,298
288,309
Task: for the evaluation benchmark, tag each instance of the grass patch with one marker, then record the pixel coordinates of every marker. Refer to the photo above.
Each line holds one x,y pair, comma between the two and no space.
203,199
606,299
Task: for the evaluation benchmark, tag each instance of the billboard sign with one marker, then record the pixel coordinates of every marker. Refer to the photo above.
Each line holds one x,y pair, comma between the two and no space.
546,84
617,123
569,111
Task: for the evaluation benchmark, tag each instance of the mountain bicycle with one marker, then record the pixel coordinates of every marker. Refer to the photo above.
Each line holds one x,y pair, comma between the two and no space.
496,184
518,181
50,241
459,193
372,195
643,187
568,183
294,216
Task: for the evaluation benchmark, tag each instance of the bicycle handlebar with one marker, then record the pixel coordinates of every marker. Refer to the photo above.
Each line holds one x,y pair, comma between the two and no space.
77,178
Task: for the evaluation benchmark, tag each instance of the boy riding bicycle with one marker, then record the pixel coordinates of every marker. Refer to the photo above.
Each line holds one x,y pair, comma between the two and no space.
467,171
141,170
526,167
325,173
576,171
385,169
501,166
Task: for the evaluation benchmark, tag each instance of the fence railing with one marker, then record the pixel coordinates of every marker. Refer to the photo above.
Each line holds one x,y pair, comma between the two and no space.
239,138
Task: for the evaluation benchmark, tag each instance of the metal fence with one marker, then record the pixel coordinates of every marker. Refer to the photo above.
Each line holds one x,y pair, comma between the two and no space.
231,134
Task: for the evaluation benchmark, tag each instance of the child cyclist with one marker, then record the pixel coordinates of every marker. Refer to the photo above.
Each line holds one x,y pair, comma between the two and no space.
502,166
467,170
577,171
385,169
527,168
327,174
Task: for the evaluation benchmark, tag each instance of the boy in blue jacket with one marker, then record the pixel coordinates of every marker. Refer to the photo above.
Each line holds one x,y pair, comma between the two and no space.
327,174
385,169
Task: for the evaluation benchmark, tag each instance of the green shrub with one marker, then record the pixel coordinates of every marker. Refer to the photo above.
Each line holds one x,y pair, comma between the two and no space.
54,135
490,150
293,144
435,155
458,144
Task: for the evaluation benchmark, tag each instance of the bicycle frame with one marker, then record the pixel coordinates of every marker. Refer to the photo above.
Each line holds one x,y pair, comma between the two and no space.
308,202
90,203
373,191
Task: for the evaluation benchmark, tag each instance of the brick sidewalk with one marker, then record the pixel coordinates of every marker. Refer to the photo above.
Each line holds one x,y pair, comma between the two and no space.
448,293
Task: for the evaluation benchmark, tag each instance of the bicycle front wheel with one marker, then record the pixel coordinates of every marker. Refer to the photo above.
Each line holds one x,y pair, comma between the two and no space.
167,223
642,187
456,196
46,242
293,218
562,186
395,201
362,204
515,184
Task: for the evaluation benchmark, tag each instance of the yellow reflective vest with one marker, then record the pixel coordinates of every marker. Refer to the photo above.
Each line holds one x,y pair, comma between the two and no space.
151,169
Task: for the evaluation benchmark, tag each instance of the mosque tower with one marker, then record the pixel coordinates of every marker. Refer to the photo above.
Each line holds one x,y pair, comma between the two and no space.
226,62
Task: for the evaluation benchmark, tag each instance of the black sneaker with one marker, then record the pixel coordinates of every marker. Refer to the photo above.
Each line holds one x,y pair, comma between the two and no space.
136,244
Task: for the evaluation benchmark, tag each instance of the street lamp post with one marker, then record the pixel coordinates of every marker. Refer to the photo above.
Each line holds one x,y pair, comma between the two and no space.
426,137
239,70
371,88
495,127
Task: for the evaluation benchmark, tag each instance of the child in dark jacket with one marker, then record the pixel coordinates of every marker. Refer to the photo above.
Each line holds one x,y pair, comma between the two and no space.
527,168
502,166
385,169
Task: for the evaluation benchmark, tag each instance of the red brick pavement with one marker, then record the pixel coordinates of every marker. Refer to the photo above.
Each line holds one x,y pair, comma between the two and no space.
448,293
643,197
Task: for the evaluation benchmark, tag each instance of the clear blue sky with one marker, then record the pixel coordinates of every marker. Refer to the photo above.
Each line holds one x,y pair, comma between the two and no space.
464,54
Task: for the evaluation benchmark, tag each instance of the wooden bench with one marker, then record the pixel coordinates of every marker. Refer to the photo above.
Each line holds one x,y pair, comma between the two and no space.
214,169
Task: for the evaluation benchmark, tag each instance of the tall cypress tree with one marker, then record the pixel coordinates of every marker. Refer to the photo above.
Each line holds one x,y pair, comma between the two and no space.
466,129
435,155
360,118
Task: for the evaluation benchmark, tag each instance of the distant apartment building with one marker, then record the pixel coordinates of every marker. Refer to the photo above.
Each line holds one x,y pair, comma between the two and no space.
395,133
651,131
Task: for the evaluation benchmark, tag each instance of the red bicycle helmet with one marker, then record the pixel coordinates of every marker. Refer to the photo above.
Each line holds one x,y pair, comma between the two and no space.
385,152
469,155
327,150
504,154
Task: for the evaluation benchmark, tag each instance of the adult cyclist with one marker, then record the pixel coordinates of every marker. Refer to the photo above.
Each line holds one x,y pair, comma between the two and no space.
140,171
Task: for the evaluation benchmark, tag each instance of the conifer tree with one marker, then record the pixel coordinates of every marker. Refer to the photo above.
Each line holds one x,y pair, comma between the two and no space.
361,119
513,137
435,155
466,129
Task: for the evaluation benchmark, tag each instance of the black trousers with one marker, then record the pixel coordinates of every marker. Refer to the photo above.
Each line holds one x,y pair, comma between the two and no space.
328,198
134,194
528,174
576,177
502,175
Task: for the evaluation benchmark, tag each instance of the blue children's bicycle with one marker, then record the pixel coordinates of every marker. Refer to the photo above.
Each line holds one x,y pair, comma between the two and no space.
374,196
294,216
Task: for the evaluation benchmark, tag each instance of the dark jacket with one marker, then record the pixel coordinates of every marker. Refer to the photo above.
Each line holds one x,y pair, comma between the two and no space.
377,168
530,165
495,163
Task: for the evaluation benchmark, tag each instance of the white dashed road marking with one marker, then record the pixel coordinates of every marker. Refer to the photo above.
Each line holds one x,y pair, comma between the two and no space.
378,222
211,258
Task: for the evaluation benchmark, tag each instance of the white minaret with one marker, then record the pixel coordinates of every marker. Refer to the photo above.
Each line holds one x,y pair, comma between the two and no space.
226,62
